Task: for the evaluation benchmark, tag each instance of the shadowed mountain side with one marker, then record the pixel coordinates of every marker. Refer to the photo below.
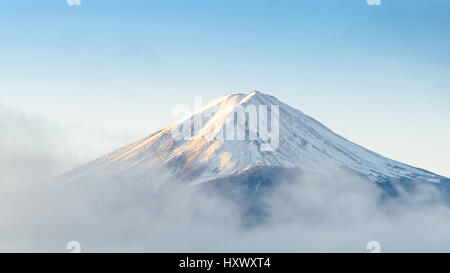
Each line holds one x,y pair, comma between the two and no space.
252,189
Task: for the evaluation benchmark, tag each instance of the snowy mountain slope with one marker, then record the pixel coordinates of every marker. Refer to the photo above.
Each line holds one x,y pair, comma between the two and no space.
303,143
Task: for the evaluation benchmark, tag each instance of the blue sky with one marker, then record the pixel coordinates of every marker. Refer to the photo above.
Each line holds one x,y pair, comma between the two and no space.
378,75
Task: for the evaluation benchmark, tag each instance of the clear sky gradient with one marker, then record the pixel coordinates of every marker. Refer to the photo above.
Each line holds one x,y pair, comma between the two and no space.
377,75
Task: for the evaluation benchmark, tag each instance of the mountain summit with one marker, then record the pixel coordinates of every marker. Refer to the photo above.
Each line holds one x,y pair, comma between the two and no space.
238,133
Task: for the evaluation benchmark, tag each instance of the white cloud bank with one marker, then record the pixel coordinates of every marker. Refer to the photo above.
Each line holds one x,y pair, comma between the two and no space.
316,214
34,148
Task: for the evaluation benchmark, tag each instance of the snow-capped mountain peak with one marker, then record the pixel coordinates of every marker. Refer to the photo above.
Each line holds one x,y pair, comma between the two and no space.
239,132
